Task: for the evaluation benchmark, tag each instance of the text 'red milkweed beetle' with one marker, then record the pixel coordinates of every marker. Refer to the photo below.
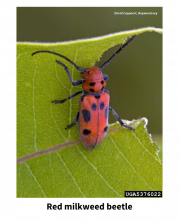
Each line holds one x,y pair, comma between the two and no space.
93,103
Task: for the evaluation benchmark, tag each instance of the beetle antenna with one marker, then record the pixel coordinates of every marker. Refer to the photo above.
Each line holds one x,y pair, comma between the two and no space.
107,62
46,51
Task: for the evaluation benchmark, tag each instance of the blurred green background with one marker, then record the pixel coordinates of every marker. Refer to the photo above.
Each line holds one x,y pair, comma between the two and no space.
135,82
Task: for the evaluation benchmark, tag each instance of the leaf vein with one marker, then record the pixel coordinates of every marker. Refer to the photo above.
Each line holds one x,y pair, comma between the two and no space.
98,173
36,180
70,174
130,163
146,148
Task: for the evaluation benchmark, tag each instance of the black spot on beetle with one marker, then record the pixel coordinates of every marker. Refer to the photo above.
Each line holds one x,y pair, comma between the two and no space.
97,96
86,115
102,88
101,105
93,107
106,113
82,98
106,128
91,90
92,84
86,132
88,72
102,82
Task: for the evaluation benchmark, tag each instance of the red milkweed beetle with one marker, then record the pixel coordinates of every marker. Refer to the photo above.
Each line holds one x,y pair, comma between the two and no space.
93,103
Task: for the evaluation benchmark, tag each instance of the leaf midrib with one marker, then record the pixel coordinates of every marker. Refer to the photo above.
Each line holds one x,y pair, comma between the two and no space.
52,149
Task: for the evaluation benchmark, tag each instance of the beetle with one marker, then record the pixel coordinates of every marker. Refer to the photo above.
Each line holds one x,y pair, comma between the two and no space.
94,101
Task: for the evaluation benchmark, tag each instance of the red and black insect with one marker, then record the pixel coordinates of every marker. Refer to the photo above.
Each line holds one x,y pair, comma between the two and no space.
93,103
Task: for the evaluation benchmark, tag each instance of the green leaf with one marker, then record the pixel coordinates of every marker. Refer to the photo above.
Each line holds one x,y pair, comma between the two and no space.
52,161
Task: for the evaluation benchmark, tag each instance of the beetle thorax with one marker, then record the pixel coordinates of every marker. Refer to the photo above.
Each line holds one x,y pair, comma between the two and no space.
93,80
91,86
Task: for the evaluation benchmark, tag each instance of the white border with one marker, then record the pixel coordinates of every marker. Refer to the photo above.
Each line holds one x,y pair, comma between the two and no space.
140,206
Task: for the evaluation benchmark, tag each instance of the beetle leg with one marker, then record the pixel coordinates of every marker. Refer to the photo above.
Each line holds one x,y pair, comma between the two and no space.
74,123
119,120
64,100
106,77
74,83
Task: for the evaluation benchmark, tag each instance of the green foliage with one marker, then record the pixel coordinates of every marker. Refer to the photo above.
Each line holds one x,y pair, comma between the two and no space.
125,160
